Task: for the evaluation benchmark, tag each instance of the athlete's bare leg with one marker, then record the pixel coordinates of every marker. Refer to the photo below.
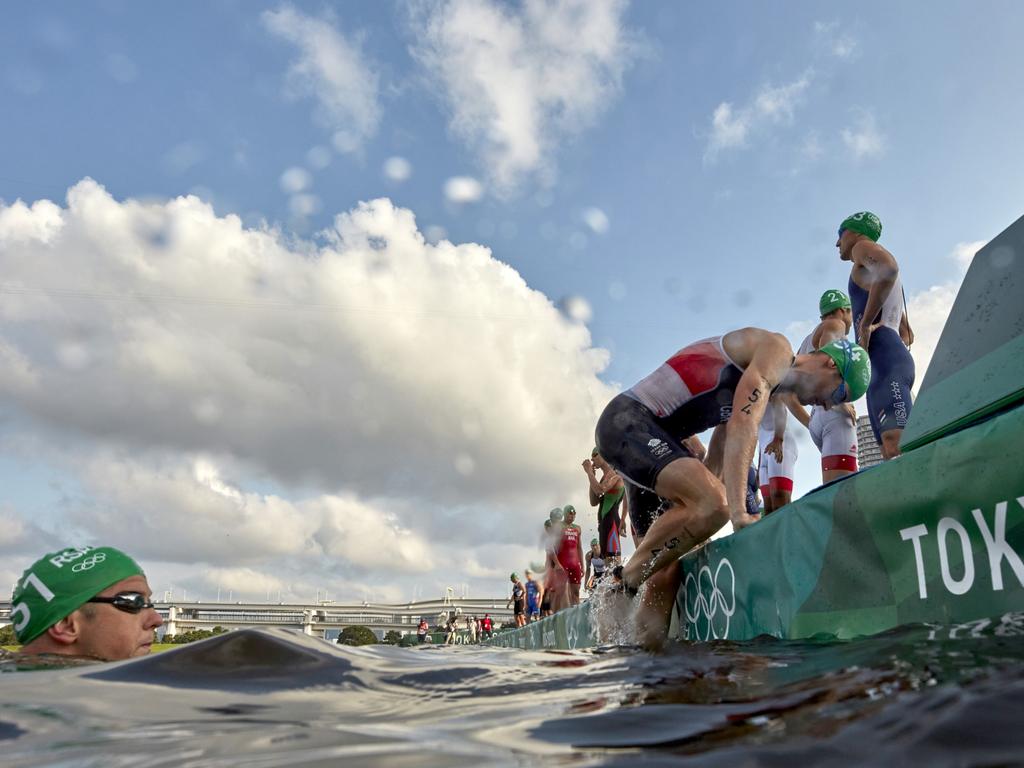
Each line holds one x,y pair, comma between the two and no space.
698,510
574,594
828,475
655,608
779,498
891,443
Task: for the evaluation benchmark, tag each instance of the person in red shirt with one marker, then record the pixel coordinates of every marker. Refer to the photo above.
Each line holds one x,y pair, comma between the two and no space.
570,553
486,626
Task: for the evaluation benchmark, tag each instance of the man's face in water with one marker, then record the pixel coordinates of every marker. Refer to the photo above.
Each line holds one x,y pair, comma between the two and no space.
112,634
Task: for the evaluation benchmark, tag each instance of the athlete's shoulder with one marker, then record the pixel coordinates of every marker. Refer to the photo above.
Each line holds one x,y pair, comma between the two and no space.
866,253
744,345
829,329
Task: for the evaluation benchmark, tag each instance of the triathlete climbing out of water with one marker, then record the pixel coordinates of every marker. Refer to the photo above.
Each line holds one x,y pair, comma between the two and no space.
723,379
834,431
606,494
595,562
881,326
570,554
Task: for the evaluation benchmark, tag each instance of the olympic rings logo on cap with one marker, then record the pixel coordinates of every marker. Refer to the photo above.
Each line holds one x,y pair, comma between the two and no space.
704,593
89,563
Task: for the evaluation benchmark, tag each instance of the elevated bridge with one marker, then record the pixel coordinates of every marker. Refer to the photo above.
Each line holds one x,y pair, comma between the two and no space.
321,619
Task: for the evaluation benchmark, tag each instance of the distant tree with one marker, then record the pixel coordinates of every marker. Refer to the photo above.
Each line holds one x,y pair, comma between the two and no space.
392,637
7,636
357,635
194,634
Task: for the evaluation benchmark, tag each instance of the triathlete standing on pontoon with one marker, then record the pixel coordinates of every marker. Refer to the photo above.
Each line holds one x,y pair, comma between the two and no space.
724,379
834,431
881,325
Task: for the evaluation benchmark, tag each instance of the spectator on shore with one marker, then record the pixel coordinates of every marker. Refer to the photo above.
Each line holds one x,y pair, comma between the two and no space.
91,602
486,627
474,629
422,630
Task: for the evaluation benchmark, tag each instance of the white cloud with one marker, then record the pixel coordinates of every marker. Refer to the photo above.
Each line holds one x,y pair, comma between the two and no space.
393,381
331,69
295,179
864,140
597,220
837,42
517,80
732,127
463,189
397,168
577,308
20,223
928,310
963,253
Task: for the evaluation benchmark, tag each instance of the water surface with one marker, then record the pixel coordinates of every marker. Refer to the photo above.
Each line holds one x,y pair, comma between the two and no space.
915,695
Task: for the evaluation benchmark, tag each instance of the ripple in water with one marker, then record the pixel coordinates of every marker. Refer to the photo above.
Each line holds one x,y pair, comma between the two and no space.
914,695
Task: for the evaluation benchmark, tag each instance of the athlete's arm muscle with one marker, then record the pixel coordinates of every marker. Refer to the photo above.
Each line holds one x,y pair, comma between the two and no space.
771,358
794,407
880,270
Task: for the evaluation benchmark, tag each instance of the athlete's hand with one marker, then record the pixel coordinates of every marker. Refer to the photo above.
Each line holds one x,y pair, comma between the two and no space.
588,466
774,448
850,412
864,333
742,520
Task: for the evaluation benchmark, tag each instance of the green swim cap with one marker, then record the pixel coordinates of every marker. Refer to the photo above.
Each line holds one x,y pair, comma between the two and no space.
61,582
556,514
594,541
853,364
831,300
569,508
864,222
514,576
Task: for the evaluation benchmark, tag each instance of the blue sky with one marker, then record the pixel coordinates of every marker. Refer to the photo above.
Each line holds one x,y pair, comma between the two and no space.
659,172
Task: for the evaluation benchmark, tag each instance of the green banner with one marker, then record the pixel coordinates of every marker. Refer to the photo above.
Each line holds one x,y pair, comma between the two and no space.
934,536
568,629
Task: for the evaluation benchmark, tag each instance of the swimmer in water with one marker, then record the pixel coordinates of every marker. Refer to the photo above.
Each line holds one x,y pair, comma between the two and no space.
91,602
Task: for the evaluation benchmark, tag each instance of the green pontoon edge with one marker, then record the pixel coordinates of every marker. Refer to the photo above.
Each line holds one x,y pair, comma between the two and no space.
933,537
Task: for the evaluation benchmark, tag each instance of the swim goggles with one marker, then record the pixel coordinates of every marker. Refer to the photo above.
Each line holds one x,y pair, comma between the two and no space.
838,396
129,602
